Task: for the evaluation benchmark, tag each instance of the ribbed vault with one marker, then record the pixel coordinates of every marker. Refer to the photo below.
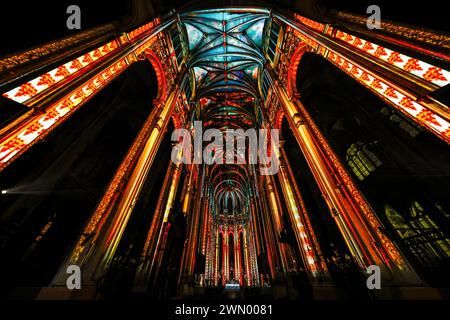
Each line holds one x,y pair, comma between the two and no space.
224,54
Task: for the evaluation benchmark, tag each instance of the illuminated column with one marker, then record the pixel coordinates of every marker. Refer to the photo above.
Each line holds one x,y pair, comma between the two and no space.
205,230
210,248
221,257
255,226
193,233
246,257
242,271
275,208
227,255
306,239
153,251
251,262
188,201
211,252
217,257
424,41
356,221
270,239
254,222
257,247
224,255
55,95
96,247
14,67
405,82
187,190
237,262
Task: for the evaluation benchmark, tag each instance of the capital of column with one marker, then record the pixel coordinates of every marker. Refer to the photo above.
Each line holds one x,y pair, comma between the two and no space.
269,186
298,119
158,103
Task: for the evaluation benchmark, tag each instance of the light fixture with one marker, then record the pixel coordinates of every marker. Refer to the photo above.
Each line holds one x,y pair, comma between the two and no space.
4,191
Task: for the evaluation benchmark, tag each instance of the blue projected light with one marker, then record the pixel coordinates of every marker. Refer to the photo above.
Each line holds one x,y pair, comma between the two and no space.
225,50
195,35
255,32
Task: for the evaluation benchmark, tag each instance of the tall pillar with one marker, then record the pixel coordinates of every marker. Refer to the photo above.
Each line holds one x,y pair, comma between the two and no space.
153,251
188,200
55,95
227,256
251,262
356,221
304,233
406,83
193,232
275,207
270,238
217,257
97,245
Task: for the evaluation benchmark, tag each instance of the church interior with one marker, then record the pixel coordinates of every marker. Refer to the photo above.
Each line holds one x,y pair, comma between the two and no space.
359,208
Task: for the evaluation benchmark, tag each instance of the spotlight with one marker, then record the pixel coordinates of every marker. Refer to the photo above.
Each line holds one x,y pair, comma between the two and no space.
4,191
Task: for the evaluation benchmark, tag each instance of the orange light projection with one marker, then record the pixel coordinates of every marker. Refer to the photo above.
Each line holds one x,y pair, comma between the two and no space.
26,91
24,137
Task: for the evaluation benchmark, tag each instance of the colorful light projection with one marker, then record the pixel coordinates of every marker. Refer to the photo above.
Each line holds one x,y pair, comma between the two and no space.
146,141
26,91
393,95
400,98
20,140
421,69
310,23
135,167
355,219
38,126
230,248
411,35
139,31
55,47
225,49
232,110
301,222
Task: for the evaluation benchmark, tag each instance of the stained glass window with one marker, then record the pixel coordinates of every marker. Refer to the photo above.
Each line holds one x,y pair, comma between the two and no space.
420,234
362,160
402,123
273,41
